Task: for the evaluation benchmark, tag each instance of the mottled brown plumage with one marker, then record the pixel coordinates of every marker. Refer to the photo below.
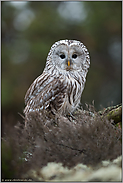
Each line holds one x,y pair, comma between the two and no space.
61,84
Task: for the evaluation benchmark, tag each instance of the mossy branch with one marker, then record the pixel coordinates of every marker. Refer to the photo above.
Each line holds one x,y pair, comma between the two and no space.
114,112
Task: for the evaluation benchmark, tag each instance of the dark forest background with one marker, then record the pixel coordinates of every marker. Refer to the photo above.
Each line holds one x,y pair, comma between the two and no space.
30,28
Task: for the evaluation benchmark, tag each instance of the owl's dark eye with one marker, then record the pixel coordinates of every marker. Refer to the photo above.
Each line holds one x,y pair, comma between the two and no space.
74,56
62,56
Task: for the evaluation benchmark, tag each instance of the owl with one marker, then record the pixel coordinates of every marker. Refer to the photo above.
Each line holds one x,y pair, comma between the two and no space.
60,85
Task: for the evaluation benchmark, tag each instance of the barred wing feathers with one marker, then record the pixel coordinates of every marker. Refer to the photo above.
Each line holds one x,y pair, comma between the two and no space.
43,91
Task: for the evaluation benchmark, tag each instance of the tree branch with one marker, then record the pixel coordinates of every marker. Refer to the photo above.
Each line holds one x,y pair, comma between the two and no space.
114,113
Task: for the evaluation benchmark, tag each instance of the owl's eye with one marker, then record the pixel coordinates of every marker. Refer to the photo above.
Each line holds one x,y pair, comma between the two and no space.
74,56
62,56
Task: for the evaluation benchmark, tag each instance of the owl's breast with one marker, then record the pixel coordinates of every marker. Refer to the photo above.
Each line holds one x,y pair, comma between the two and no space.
72,94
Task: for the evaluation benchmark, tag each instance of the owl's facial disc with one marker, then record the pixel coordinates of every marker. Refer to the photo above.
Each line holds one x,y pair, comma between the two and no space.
67,63
68,57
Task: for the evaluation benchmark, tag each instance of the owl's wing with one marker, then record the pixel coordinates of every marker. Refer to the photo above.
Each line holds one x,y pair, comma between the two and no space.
44,90
37,86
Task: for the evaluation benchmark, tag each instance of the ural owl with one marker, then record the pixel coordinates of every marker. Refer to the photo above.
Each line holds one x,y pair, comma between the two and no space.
61,84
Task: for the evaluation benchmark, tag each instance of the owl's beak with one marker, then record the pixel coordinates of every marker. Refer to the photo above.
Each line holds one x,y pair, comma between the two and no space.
68,63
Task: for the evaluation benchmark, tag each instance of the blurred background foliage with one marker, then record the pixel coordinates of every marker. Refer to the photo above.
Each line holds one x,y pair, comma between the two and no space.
30,28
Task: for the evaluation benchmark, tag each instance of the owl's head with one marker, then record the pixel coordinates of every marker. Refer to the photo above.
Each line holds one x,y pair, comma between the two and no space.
69,55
